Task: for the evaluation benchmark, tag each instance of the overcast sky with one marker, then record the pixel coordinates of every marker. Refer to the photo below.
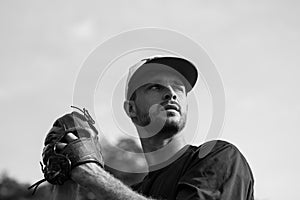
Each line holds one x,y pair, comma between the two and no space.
255,46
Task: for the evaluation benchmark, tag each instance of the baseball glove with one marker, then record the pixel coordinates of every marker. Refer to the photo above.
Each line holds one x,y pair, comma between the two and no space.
58,163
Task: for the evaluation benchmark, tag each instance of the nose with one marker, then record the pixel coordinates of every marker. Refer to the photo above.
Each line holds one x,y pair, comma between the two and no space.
169,94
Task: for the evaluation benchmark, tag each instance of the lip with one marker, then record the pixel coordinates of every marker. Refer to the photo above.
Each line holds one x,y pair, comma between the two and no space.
171,107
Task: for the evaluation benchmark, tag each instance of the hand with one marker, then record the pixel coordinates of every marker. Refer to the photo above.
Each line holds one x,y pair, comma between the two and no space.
72,141
81,173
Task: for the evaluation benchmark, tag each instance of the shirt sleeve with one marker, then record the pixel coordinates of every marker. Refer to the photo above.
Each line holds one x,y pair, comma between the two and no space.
222,174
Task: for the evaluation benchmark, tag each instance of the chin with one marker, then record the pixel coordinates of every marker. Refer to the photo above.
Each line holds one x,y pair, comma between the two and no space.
174,124
170,129
172,121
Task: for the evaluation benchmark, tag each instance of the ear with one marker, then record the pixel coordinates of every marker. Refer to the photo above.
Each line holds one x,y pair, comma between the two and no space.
130,109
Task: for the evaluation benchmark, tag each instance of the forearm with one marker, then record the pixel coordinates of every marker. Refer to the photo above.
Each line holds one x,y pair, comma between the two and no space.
68,191
104,185
112,188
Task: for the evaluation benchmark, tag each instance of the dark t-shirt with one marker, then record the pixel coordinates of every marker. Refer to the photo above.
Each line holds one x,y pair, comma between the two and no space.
214,170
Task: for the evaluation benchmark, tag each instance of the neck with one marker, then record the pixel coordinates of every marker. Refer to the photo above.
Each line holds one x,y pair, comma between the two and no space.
159,150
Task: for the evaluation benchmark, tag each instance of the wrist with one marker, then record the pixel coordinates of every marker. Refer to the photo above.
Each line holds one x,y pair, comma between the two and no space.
86,173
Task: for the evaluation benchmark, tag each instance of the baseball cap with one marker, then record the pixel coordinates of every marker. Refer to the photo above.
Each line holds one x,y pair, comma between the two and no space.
147,67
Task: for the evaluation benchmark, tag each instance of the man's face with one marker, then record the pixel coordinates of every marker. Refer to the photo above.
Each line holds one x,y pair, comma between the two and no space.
162,102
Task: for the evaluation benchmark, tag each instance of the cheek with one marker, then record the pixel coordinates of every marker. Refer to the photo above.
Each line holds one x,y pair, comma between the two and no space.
185,107
183,103
148,100
144,105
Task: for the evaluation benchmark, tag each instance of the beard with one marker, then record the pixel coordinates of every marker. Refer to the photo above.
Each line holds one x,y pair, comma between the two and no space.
160,125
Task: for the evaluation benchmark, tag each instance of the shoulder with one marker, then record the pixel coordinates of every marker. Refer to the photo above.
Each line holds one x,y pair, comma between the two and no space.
217,169
221,157
214,148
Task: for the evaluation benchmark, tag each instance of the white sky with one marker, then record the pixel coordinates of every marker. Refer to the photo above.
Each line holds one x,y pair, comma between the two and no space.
254,44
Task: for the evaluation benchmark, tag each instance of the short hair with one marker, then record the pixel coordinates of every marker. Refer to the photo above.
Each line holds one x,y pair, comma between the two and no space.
133,96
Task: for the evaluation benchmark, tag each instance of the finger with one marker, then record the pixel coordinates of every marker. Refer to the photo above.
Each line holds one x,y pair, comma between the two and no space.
60,146
70,137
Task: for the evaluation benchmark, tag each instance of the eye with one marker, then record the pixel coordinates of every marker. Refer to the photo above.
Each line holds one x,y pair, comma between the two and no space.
154,87
179,88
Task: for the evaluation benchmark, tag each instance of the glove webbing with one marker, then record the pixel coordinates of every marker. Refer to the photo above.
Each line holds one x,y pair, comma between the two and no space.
54,176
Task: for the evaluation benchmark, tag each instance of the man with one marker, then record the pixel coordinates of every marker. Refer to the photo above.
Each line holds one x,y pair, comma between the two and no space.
156,102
